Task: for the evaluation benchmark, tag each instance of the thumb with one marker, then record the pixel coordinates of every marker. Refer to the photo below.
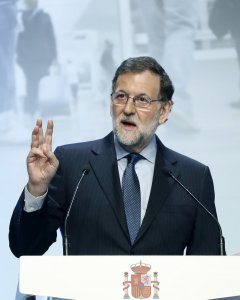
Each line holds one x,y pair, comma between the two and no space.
50,156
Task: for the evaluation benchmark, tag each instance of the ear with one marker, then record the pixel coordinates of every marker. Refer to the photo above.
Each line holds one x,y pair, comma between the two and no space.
165,111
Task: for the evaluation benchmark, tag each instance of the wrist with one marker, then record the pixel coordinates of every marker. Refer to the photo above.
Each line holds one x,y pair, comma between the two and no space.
37,189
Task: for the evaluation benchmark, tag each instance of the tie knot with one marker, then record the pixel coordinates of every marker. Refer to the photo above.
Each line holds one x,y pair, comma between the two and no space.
133,158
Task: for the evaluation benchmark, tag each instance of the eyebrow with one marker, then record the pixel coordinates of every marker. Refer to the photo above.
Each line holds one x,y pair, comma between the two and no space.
140,94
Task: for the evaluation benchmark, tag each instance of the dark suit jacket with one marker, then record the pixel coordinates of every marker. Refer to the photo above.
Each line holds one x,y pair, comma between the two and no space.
97,224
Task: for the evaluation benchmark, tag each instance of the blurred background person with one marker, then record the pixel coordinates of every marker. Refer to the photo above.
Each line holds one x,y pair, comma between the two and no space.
8,24
36,51
235,33
171,26
108,67
224,19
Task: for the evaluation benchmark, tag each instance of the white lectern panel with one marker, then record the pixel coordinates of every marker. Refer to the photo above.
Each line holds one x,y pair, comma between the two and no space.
131,277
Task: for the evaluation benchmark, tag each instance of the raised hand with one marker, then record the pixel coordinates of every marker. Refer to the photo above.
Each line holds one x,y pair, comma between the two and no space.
42,164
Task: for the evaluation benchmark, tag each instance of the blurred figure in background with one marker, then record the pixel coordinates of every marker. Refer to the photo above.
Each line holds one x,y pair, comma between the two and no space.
108,67
235,33
171,26
36,51
8,22
225,18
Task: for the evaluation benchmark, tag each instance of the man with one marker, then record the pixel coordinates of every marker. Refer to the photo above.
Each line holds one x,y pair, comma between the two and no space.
105,217
224,19
36,51
8,23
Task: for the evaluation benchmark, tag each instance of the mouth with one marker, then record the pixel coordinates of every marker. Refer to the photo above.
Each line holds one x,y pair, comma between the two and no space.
128,125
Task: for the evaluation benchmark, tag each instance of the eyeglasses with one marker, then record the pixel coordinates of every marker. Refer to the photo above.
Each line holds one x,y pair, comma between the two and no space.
141,101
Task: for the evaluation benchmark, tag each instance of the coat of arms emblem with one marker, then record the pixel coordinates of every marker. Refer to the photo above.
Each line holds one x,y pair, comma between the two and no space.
141,282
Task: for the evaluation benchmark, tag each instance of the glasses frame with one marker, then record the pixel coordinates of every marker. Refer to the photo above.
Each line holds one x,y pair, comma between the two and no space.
134,98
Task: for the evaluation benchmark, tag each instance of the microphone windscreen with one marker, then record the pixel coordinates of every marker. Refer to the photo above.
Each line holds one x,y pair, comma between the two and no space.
166,171
86,169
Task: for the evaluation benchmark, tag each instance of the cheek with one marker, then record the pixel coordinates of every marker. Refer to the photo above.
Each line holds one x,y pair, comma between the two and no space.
115,111
145,119
112,111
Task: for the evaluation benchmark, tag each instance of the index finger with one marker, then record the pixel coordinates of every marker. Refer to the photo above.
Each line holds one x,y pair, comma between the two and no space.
48,134
35,133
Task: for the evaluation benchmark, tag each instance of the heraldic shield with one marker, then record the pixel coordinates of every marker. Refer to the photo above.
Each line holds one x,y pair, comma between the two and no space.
141,286
141,282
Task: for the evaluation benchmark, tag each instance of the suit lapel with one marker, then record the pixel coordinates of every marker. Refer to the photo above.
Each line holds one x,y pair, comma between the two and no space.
161,186
104,164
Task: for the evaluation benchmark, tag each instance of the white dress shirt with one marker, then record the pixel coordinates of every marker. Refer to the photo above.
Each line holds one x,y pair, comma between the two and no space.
144,169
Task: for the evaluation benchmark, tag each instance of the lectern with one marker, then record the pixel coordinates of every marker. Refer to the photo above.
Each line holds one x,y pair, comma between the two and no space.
131,277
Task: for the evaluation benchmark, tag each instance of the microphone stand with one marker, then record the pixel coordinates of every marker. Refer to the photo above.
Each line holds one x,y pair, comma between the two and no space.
221,238
65,239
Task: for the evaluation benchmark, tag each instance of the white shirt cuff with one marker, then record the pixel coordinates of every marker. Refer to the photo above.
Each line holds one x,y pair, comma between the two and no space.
33,203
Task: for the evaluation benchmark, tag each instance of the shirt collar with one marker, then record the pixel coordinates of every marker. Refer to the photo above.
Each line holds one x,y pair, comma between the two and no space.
149,152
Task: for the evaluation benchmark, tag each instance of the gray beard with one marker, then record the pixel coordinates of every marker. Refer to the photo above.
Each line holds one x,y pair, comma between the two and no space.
133,145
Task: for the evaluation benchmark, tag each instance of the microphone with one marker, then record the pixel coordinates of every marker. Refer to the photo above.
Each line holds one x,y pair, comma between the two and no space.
222,241
85,171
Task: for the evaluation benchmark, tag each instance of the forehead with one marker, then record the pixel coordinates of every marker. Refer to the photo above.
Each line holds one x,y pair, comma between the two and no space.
136,83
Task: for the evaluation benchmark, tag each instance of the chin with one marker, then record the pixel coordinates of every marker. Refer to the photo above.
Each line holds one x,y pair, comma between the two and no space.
127,139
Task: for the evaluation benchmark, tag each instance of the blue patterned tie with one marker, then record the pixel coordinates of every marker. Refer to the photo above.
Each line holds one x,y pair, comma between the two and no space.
132,196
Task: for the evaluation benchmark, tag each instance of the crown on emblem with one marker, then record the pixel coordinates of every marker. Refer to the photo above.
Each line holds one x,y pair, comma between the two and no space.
140,268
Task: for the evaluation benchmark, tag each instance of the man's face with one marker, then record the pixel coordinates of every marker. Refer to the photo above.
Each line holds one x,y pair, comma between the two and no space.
134,127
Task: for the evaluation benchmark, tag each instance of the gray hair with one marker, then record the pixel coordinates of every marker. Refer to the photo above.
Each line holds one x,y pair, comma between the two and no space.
146,63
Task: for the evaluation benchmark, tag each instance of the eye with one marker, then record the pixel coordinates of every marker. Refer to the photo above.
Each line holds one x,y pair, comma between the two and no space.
142,99
120,95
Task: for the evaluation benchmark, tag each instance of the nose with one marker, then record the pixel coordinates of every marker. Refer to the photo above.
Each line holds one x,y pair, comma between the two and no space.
129,107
